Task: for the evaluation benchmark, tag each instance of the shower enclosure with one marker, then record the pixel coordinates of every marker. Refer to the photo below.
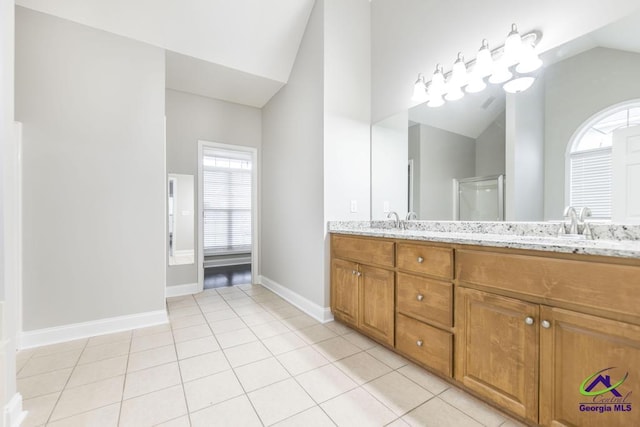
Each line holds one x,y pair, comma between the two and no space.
479,198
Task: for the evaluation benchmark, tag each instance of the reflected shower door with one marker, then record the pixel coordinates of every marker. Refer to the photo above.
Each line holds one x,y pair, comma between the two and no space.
481,198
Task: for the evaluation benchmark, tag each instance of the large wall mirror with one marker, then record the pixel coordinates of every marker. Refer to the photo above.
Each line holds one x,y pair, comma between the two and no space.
460,160
180,206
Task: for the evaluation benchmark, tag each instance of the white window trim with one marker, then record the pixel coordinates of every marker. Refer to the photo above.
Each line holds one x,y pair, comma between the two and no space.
579,133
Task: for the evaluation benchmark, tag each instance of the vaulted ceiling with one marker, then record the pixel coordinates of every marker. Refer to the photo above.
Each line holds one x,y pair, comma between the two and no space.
237,50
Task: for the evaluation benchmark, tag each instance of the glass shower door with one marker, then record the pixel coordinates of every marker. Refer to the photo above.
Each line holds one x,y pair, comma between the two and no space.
481,198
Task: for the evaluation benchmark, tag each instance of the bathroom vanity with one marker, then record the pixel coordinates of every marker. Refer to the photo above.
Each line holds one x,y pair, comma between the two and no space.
547,329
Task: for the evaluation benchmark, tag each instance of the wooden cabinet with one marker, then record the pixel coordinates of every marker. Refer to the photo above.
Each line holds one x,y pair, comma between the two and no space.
344,291
430,346
424,305
363,295
573,348
376,303
553,339
497,350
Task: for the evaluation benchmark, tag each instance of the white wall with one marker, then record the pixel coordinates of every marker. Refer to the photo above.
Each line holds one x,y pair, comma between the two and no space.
8,230
389,162
443,157
524,154
576,89
490,149
316,148
412,36
94,172
347,108
191,118
292,209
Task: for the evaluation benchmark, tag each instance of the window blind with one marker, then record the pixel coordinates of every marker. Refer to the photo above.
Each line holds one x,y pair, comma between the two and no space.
590,181
226,205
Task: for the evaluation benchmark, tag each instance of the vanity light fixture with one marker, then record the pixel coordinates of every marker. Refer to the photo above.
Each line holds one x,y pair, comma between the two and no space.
511,64
420,89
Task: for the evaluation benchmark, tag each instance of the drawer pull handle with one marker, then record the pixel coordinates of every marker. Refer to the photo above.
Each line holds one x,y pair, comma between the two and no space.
420,259
545,324
419,343
528,320
420,297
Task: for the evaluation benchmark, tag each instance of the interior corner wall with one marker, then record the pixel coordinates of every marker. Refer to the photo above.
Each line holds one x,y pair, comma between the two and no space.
568,105
292,208
191,118
443,157
524,154
490,148
94,181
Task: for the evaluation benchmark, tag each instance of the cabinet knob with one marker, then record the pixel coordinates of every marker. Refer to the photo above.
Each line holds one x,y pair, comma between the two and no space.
420,259
528,320
353,272
358,274
419,343
545,324
420,297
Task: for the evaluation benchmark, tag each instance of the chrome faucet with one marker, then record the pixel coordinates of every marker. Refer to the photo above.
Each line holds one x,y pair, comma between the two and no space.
393,213
577,222
411,215
570,212
585,212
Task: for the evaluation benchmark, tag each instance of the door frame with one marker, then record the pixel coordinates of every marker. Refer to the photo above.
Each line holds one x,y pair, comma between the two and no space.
255,211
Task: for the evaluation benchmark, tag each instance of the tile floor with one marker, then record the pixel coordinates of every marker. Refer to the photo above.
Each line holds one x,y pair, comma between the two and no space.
237,356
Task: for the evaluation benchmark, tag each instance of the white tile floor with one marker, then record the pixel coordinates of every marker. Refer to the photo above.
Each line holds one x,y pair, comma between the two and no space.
237,356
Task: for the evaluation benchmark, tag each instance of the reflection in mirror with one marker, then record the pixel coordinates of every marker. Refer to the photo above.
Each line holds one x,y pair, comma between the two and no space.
526,137
181,219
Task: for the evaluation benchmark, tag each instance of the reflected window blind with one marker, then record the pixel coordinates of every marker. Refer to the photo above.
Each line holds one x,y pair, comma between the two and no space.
227,205
590,181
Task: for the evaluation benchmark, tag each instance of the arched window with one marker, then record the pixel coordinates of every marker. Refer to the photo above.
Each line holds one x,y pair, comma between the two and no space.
589,158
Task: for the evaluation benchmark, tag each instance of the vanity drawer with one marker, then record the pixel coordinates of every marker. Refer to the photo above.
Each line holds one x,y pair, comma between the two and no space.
425,344
363,250
589,284
431,260
425,299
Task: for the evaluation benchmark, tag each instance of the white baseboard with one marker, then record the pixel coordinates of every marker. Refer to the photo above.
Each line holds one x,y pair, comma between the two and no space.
321,314
13,413
76,331
180,290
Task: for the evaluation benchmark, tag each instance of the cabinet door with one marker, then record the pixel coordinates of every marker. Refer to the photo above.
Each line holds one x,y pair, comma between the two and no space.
581,353
377,303
344,291
497,349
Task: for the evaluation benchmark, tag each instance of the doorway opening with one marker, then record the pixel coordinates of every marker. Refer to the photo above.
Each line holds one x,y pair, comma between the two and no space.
227,181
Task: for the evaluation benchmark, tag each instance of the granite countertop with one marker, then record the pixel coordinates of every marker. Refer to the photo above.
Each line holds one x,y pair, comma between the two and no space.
609,240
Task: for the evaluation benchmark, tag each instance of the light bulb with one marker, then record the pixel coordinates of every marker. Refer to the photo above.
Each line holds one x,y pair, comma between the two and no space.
420,90
519,84
435,101
484,61
529,60
512,46
454,94
437,86
459,72
500,73
476,84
